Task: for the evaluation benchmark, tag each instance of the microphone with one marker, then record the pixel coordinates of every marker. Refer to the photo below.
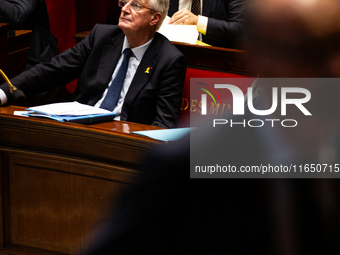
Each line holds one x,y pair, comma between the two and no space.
17,94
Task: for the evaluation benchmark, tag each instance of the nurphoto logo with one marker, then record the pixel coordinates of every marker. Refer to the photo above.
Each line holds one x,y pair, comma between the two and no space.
240,101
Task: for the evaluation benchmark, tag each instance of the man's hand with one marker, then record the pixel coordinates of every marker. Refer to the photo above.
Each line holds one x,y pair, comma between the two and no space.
184,17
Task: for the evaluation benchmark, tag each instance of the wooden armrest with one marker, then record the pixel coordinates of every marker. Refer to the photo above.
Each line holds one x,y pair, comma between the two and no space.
81,35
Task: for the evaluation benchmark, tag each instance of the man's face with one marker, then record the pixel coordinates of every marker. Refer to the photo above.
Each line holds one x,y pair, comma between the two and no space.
131,20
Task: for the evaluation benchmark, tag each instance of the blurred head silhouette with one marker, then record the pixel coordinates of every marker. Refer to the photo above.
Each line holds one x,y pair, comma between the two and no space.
294,38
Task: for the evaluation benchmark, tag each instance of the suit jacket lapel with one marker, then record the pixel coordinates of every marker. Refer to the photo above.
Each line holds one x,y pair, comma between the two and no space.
206,8
143,73
108,62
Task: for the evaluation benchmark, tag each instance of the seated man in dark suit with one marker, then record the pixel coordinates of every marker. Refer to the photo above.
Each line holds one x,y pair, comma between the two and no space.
219,22
152,89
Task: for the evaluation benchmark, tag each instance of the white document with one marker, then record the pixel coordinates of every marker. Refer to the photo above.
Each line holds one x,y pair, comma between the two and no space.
68,109
179,33
166,135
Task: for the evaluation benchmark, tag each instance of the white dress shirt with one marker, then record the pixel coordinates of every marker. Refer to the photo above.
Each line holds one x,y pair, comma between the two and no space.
134,62
3,97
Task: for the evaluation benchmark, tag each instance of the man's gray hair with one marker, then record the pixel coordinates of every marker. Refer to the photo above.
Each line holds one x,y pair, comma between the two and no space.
161,6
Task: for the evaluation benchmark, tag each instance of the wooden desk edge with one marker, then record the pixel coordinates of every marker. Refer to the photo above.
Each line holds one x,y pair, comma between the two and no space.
114,128
22,32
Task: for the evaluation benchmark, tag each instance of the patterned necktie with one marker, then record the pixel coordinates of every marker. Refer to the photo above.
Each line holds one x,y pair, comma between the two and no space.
112,96
196,7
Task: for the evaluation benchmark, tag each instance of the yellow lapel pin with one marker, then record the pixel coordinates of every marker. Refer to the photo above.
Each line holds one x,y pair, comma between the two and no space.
148,70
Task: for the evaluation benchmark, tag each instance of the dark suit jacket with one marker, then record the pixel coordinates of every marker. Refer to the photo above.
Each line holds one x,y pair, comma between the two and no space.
153,98
225,22
31,15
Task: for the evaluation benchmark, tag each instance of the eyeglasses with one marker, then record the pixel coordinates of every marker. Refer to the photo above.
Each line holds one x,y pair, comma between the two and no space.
134,5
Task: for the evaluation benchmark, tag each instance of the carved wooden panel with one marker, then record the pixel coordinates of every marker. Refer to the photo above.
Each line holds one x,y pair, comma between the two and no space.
58,181
53,202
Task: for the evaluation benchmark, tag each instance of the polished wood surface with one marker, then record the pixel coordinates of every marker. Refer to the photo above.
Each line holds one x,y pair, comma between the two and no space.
60,180
215,58
81,35
96,141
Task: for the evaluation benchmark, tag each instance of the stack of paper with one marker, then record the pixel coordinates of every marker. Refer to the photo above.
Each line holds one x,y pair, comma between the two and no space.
179,33
71,112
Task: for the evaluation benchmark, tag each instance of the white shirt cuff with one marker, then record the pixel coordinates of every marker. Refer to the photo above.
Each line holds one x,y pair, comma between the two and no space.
3,97
202,24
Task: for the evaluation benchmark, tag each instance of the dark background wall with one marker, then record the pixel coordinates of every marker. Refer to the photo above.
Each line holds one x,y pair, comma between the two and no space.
67,17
